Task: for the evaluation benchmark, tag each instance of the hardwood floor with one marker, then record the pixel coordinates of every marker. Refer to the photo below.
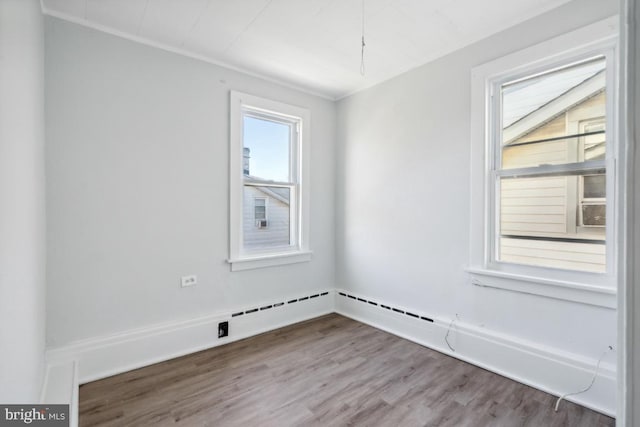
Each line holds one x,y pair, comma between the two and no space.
330,371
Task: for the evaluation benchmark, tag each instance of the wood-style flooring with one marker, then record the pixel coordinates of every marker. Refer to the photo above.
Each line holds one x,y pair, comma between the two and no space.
330,371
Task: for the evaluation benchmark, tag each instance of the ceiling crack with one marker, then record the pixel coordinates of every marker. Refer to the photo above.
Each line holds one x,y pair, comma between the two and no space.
144,13
195,23
244,30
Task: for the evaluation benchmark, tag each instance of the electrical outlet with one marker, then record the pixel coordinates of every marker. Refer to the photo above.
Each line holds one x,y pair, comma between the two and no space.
223,329
187,281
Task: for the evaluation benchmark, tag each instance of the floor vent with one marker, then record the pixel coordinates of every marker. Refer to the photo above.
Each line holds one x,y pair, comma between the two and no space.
279,304
386,307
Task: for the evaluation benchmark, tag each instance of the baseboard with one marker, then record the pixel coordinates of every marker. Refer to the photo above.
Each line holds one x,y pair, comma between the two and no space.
544,368
60,386
105,356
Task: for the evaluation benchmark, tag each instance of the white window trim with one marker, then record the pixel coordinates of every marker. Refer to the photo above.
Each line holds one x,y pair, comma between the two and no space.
589,288
299,252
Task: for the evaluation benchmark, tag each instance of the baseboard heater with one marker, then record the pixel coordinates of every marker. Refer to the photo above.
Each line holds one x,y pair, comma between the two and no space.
386,307
279,304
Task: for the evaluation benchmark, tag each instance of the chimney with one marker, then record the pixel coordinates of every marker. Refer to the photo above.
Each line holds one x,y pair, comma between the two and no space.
245,160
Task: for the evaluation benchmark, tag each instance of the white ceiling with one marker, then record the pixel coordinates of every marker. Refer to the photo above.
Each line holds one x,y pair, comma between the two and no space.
313,45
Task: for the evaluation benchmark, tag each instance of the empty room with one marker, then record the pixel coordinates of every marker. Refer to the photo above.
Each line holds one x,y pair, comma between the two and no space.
319,213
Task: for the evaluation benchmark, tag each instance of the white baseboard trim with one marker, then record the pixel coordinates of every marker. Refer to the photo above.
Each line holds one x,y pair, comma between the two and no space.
61,387
547,369
102,357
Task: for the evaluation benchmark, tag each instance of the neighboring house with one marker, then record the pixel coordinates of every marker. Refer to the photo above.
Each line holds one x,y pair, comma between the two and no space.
266,214
266,217
556,221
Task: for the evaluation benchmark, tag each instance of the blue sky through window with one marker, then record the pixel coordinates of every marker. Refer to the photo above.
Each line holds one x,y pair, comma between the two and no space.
268,143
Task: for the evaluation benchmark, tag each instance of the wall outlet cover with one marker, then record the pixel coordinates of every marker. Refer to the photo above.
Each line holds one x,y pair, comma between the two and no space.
223,329
186,281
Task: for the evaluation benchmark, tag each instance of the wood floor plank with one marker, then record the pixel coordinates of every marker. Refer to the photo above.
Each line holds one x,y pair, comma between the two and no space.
330,371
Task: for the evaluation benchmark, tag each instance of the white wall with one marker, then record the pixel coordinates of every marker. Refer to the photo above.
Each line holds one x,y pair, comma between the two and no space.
22,212
137,163
403,208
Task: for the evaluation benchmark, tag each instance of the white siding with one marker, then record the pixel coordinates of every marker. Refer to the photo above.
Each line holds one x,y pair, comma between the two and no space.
534,206
567,255
535,154
277,231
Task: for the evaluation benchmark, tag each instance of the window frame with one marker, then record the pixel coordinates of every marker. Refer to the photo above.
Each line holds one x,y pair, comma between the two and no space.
241,105
596,39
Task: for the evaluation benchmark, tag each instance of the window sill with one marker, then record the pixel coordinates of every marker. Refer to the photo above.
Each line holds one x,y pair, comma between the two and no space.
565,290
269,260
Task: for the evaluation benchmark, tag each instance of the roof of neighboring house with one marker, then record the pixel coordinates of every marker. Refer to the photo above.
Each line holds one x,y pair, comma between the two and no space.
527,108
522,98
279,193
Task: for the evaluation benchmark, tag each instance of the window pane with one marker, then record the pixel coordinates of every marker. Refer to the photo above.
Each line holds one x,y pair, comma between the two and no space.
594,143
543,223
555,117
595,186
262,229
266,149
594,215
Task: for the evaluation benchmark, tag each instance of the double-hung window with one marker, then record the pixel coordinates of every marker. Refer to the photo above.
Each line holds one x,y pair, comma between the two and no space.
269,169
543,166
549,168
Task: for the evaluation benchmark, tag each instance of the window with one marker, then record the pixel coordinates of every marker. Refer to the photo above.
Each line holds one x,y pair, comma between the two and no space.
260,212
269,183
550,168
543,181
